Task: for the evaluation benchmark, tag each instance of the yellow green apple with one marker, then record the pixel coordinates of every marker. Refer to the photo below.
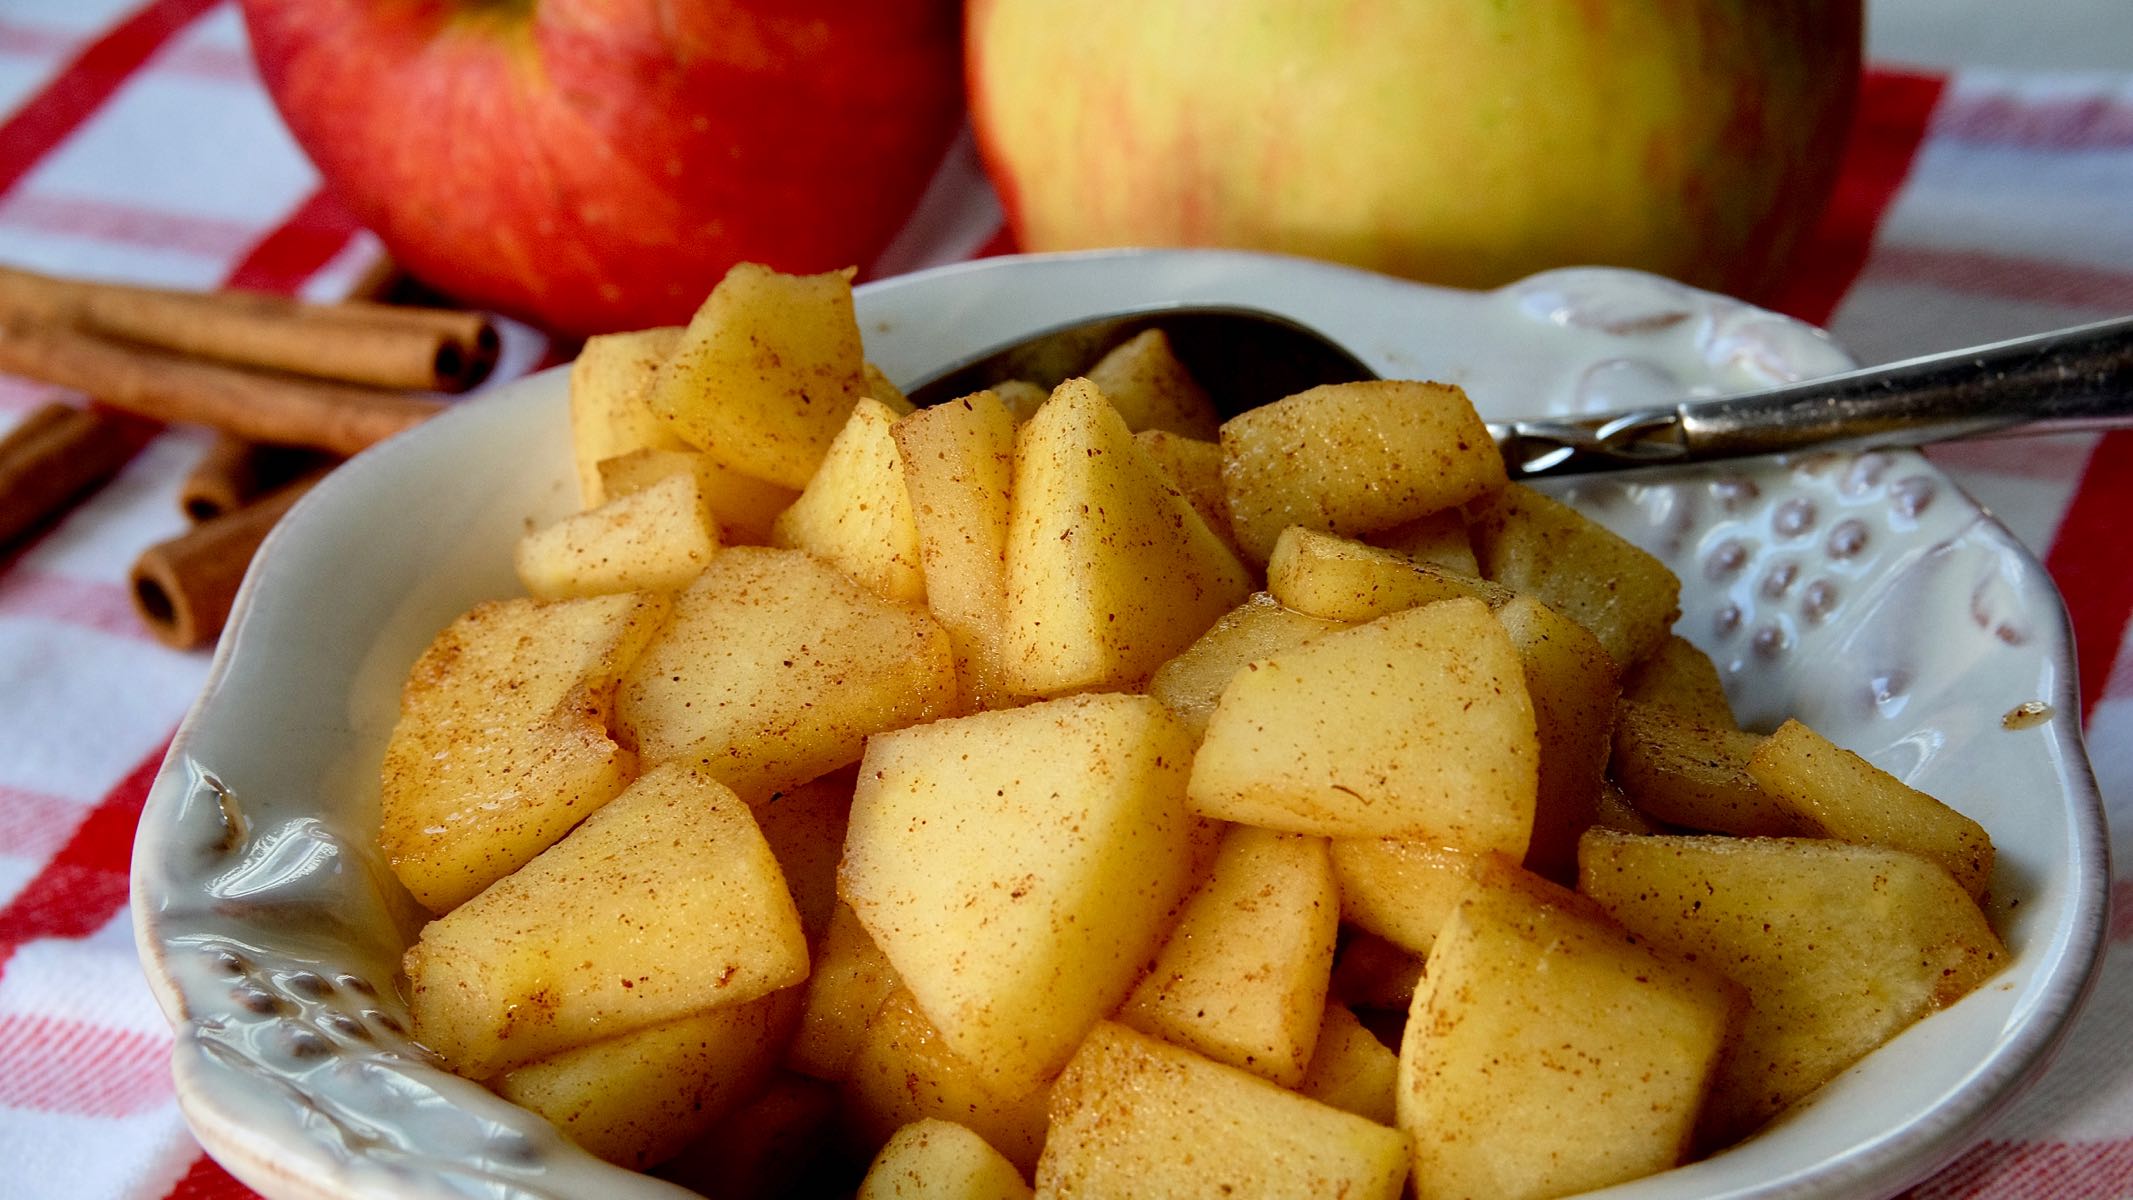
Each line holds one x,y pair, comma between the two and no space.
1460,141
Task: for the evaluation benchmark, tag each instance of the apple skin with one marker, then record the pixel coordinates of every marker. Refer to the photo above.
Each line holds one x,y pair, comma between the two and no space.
596,165
1465,142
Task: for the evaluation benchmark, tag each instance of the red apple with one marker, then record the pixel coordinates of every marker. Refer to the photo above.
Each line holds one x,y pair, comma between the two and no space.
1460,141
595,165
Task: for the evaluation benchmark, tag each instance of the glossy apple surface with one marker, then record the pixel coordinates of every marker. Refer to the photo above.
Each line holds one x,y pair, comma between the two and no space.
1458,141
597,164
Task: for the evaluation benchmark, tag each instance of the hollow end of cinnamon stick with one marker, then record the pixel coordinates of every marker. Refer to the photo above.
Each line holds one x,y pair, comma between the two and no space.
183,588
236,471
459,364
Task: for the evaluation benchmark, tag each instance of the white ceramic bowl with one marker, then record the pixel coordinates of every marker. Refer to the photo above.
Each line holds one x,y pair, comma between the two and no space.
1864,593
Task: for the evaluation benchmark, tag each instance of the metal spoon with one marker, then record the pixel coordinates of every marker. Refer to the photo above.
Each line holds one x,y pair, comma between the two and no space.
2074,379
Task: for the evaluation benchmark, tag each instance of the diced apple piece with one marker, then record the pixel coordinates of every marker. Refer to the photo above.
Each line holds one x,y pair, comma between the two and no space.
1129,1106
502,742
1194,468
1151,389
1840,947
1415,725
904,1071
1344,580
850,981
1573,686
1019,867
805,829
774,669
1189,684
884,390
1548,1052
1021,397
766,373
1580,568
1242,977
1402,889
655,540
1353,458
855,514
959,465
1109,570
1439,538
664,903
1682,679
1694,775
744,507
1351,1069
932,1159
638,1098
1612,810
609,412
1850,799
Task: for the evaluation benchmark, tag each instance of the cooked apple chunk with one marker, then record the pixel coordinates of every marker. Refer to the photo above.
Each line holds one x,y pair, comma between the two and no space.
1695,776
655,540
1344,580
1549,1052
1573,685
1401,889
766,372
1018,869
1850,799
1415,725
1351,1069
855,513
850,981
1194,468
1352,458
637,1098
744,507
1190,684
774,669
1109,570
609,413
1840,947
1134,1116
1151,389
502,743
1580,568
1242,977
1682,679
903,1071
959,467
1439,538
933,1159
663,904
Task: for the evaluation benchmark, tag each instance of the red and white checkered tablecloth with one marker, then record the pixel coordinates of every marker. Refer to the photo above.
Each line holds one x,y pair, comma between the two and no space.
135,144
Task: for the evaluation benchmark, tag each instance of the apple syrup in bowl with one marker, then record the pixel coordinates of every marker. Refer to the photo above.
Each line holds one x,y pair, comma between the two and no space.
1157,748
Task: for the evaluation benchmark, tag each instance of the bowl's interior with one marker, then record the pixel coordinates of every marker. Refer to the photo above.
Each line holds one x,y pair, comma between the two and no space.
1861,592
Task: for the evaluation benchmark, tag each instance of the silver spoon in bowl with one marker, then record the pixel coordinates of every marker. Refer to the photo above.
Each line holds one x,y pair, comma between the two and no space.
2066,381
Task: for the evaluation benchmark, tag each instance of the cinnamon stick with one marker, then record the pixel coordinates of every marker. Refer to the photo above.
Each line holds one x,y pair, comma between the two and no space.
379,345
264,407
183,588
53,458
236,471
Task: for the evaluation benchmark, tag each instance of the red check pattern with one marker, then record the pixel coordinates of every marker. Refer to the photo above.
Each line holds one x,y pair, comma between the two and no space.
135,144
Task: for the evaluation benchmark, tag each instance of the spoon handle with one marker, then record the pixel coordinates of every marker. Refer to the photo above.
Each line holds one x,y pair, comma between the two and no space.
2074,379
